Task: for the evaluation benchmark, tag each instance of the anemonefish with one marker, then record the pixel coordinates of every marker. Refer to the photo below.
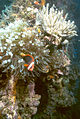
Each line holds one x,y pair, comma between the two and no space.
36,2
29,61
42,3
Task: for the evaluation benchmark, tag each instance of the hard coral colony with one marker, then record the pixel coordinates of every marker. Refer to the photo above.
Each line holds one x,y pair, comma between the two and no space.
40,38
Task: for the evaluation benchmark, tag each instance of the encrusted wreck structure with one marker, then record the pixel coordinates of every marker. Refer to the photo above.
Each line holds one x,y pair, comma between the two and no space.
45,34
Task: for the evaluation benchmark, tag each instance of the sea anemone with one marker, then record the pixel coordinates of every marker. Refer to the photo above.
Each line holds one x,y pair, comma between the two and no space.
17,37
55,23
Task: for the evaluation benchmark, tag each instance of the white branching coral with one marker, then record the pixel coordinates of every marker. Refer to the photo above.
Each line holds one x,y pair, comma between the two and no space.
55,22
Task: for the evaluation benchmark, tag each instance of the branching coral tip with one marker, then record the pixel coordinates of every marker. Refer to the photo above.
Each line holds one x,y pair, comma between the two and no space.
29,61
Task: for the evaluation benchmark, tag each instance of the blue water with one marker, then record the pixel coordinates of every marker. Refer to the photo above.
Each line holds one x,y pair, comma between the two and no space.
3,3
76,60
76,14
76,53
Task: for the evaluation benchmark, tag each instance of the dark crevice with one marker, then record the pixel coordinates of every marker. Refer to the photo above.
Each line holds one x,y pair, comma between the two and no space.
41,89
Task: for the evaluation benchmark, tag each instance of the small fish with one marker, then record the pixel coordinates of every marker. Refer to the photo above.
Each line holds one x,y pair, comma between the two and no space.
39,30
29,61
42,3
36,3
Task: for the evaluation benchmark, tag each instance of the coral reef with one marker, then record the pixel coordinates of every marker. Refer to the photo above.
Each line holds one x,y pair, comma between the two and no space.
44,34
29,103
12,108
22,9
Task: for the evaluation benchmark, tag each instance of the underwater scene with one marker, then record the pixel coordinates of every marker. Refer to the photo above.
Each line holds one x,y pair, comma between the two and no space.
39,59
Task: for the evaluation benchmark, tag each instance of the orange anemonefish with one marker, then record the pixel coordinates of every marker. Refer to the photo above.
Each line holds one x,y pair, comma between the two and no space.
29,61
42,2
36,2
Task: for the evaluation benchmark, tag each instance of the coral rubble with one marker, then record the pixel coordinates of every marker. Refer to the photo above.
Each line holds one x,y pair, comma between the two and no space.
44,34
